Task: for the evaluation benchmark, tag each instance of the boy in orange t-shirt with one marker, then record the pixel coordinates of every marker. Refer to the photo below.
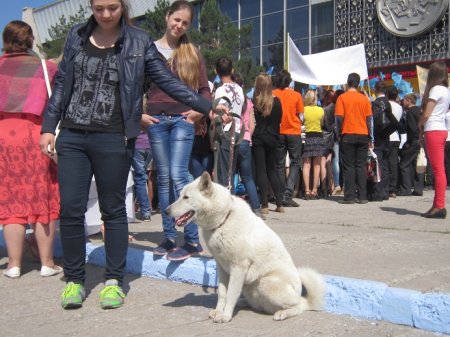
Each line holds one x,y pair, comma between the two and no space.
355,128
290,134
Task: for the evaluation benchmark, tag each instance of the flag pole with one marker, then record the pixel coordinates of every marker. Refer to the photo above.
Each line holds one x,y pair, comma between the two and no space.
286,60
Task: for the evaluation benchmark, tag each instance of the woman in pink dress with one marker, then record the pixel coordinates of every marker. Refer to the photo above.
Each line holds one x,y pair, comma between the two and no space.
29,189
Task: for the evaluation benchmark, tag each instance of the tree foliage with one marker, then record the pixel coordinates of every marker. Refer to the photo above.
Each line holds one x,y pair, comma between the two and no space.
58,33
154,21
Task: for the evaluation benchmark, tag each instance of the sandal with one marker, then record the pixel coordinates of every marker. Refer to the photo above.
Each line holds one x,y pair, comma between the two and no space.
307,195
313,195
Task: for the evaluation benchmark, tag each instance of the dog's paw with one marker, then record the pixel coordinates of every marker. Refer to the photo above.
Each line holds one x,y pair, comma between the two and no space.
221,318
280,315
214,313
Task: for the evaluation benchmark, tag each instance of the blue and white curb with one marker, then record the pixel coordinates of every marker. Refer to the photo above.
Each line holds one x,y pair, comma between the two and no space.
359,298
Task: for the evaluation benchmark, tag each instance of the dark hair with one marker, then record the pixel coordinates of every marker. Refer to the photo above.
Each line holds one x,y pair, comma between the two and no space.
180,4
336,95
411,97
224,67
380,87
282,79
353,80
126,11
237,78
437,75
392,93
17,37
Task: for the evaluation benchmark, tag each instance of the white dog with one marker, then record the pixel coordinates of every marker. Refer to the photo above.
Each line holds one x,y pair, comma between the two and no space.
251,258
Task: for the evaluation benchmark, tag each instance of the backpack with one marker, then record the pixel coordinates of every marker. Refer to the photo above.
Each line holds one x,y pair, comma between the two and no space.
384,120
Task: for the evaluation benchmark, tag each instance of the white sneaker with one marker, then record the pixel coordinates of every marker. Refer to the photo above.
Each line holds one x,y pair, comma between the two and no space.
13,272
47,271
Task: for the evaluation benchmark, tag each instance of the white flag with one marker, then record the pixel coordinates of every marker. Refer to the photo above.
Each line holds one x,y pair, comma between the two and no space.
327,68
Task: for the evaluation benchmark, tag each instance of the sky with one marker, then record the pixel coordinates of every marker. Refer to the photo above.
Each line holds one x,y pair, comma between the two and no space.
12,10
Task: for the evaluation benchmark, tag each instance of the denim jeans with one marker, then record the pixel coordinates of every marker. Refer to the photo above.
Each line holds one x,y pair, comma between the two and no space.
107,156
171,141
201,162
336,165
244,167
141,159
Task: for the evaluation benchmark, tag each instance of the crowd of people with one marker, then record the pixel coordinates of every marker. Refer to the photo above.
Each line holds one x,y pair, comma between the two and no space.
281,144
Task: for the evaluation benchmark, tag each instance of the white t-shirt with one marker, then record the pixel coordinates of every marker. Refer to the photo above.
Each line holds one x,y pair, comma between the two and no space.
397,111
447,123
236,96
441,96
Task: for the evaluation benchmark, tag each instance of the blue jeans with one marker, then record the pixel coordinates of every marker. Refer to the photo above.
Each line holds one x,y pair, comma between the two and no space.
244,166
336,165
201,162
107,156
141,159
171,141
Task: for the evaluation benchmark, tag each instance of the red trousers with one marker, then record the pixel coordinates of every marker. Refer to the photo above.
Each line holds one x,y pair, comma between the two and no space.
435,144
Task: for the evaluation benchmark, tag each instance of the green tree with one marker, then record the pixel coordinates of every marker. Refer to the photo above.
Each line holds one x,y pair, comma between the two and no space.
154,22
54,47
218,37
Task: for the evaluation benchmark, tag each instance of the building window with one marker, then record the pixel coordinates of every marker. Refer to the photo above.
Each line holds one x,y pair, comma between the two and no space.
254,38
297,22
230,8
322,43
270,6
272,28
322,19
250,8
296,3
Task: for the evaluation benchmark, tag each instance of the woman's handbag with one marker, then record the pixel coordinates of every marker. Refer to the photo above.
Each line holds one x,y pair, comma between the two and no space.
421,164
373,168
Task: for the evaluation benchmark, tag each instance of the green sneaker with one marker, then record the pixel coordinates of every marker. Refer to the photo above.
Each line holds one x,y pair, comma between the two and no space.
72,296
111,296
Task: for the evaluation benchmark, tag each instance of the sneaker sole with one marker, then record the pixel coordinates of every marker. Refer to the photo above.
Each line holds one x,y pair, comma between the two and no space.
70,306
109,306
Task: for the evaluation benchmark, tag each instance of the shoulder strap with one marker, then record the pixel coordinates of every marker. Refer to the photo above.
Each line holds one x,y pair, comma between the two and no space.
47,81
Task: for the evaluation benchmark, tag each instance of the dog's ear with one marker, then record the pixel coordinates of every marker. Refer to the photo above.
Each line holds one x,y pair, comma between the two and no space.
205,184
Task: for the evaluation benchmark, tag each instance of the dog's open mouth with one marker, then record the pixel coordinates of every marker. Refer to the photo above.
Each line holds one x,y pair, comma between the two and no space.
184,219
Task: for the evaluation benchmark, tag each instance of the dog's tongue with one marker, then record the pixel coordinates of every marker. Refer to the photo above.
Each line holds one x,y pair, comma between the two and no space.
182,220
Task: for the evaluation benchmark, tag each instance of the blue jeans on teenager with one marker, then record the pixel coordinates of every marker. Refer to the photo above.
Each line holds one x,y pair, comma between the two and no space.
171,141
107,156
141,159
244,167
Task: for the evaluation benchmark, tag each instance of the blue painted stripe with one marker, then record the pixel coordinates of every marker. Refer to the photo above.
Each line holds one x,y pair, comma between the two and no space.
360,298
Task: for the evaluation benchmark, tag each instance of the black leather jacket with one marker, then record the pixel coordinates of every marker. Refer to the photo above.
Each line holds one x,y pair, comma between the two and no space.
137,58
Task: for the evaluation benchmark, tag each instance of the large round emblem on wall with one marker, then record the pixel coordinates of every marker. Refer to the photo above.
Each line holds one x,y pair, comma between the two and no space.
406,18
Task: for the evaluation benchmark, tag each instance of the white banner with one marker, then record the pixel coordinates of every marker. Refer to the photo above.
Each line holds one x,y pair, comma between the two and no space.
327,68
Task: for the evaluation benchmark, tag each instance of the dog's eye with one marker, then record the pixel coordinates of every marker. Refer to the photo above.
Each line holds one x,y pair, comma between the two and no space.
185,197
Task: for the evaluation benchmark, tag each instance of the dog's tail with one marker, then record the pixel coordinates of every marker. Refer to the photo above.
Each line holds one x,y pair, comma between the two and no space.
313,289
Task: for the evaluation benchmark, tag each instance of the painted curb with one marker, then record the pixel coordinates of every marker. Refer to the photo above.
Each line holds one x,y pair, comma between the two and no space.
359,298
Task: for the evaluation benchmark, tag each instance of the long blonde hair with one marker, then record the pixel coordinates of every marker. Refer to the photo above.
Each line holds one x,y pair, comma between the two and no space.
310,98
185,56
263,98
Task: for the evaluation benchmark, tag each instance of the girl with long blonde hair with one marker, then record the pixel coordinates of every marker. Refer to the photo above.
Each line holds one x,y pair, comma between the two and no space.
266,142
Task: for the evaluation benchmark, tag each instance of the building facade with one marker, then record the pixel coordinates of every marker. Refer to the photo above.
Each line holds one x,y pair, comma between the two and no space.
397,34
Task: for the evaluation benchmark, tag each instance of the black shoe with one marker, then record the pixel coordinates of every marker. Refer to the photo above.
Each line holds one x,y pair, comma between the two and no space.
144,217
346,202
403,194
362,201
417,193
290,203
165,247
439,214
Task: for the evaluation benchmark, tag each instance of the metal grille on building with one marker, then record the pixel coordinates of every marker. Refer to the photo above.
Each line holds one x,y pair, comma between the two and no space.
357,21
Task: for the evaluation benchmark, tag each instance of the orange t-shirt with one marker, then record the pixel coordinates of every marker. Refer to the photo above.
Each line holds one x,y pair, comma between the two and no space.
292,106
354,108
